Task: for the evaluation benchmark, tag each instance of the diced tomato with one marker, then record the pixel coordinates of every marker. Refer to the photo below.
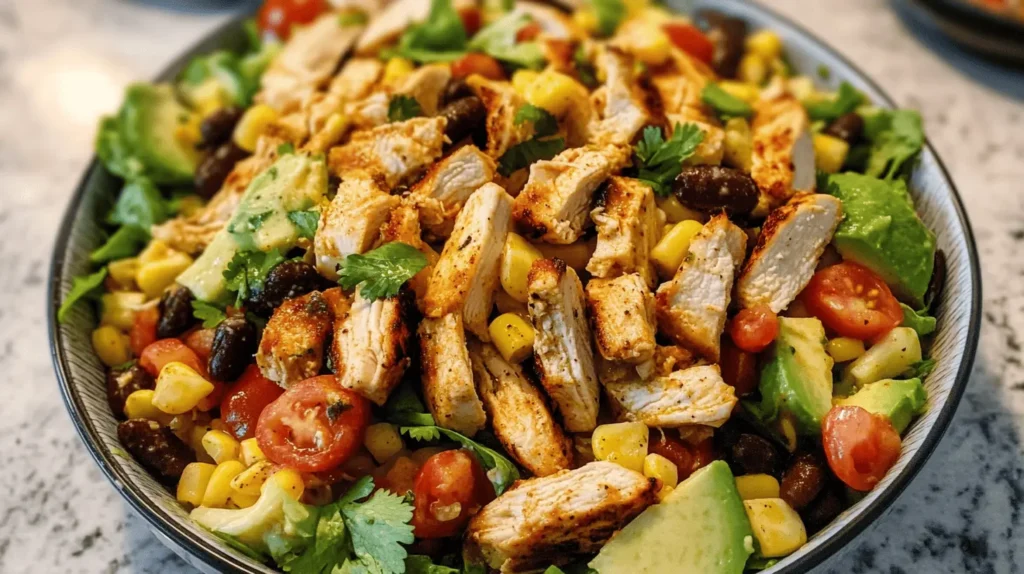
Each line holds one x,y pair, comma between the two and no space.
143,331
200,341
754,329
852,301
277,17
481,64
704,454
158,354
398,476
315,425
245,400
528,32
450,488
213,399
690,40
860,446
688,458
472,20
739,368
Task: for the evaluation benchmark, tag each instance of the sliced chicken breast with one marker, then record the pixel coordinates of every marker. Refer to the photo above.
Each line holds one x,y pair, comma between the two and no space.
519,413
782,162
562,349
370,351
620,101
693,396
792,240
622,315
679,87
502,102
351,223
426,85
396,151
552,519
356,79
441,193
555,203
467,274
628,225
448,386
691,308
389,24
404,225
292,346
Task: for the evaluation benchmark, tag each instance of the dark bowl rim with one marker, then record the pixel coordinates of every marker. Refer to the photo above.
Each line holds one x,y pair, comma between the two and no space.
215,556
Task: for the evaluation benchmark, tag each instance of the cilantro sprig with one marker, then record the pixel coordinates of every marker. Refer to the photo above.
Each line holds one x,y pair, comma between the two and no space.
245,273
660,161
305,222
382,272
439,38
534,149
498,40
402,107
544,123
845,101
210,314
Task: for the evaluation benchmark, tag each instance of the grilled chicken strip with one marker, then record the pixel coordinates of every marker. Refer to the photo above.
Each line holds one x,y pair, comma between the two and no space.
502,102
519,414
447,185
404,225
292,347
622,315
426,85
696,395
562,349
390,23
555,203
691,307
467,274
370,351
792,240
448,385
620,101
548,520
679,87
357,78
352,221
782,162
628,224
396,151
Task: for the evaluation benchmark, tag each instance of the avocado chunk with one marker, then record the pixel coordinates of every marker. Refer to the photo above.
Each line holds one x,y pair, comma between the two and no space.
295,182
797,381
900,400
149,120
700,527
217,76
881,231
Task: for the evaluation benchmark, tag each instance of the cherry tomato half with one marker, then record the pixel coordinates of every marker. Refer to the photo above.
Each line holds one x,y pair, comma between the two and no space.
245,400
860,446
481,64
472,20
156,355
315,425
143,331
852,301
687,458
690,40
278,16
200,341
739,368
450,488
754,329
528,32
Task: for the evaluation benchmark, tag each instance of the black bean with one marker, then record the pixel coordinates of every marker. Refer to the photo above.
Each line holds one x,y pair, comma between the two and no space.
215,168
155,447
847,127
234,344
218,127
175,312
123,382
752,454
823,509
288,280
729,35
714,188
934,292
464,117
803,480
456,89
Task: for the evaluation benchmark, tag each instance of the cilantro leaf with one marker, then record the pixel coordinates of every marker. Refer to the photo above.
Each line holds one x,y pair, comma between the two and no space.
124,242
404,408
305,222
544,124
919,321
378,527
725,104
250,224
139,204
240,546
920,369
82,287
440,38
660,161
285,148
523,154
246,271
896,139
610,13
382,272
846,100
211,315
500,470
115,153
423,433
584,68
402,107
417,564
498,40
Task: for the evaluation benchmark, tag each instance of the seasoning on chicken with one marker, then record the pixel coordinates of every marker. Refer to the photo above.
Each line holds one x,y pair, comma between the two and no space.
404,225
448,386
502,102
622,315
782,162
693,396
397,151
519,413
548,520
467,274
441,193
679,86
562,349
292,346
621,101
792,240
356,79
691,307
352,221
628,225
425,84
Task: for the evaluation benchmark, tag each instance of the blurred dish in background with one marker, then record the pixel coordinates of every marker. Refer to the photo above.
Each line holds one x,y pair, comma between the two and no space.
994,28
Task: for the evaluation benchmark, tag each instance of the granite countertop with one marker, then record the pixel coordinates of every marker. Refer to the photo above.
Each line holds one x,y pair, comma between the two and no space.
65,62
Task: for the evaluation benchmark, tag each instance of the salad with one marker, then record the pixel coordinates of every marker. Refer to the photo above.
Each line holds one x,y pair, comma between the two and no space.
453,287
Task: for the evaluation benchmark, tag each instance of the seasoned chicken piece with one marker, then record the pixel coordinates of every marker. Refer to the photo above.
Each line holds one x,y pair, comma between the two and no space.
792,240
448,375
621,101
552,519
555,203
370,351
628,225
553,22
439,196
404,225
519,414
396,151
388,25
696,395
351,223
356,79
564,356
502,102
426,85
292,347
622,315
466,275
691,307
783,151
679,88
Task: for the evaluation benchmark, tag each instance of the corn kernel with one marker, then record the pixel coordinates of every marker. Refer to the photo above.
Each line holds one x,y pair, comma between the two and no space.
585,19
658,15
187,133
751,486
516,259
289,480
801,87
663,469
669,253
777,527
123,271
749,93
646,41
119,308
179,388
523,79
513,336
181,426
111,346
765,43
787,428
739,144
622,443
252,125
154,251
156,276
139,405
753,69
218,489
635,7
575,255
250,481
676,211
555,92
239,500
193,482
830,153
396,70
333,130
383,441
845,349
195,440
220,446
250,452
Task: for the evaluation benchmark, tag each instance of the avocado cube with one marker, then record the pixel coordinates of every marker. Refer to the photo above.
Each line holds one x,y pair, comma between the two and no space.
149,119
899,400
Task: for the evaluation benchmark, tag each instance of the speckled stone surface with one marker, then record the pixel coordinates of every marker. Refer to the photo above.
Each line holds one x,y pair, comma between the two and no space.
65,62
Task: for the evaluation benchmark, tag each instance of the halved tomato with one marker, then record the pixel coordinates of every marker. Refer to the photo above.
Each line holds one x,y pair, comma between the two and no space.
739,368
860,446
449,489
277,17
481,64
852,301
690,40
143,331
156,355
245,400
754,329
